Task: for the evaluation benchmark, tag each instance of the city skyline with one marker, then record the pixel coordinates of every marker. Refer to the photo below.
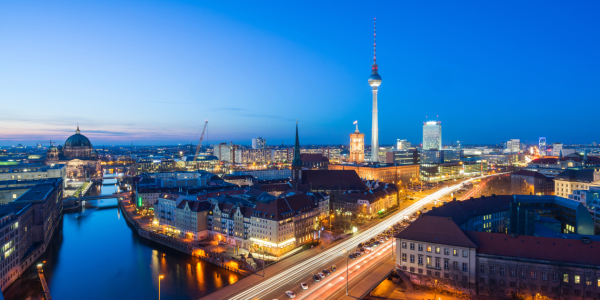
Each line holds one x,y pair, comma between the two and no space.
149,77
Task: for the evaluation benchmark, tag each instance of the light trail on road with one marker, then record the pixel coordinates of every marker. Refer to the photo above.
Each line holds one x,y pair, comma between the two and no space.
323,259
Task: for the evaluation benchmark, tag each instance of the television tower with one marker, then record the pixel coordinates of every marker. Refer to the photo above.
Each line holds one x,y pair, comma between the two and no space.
374,82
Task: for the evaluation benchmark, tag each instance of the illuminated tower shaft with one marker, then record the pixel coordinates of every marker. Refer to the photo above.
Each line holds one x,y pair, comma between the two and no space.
375,129
374,82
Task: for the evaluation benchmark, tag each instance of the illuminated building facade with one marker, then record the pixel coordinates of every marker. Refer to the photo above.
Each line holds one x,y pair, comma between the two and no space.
542,146
357,147
432,135
383,172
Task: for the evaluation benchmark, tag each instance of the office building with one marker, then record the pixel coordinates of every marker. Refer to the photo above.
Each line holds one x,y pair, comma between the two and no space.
569,180
432,135
402,157
259,143
513,146
435,252
591,199
33,172
402,144
357,146
272,174
542,146
223,151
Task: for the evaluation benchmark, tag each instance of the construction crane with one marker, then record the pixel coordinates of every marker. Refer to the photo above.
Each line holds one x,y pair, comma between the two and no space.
200,142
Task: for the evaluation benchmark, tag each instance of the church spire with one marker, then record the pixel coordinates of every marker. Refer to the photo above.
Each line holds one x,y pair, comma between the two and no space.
297,161
77,131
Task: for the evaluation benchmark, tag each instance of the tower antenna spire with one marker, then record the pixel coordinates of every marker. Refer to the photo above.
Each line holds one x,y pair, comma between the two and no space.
375,45
374,41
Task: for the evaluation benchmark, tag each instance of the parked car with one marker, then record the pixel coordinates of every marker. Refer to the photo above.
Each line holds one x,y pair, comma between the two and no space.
333,268
304,286
351,256
316,278
321,275
326,272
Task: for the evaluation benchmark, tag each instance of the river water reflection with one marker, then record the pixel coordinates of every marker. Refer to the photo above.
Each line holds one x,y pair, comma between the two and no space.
96,255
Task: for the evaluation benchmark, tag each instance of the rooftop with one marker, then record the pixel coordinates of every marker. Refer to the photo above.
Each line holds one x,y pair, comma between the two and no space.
438,230
528,247
462,211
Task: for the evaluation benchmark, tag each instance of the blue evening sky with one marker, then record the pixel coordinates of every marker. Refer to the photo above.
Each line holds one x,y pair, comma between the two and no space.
153,71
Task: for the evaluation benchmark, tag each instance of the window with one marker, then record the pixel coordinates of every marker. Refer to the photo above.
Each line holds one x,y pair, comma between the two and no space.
482,269
513,272
420,259
420,271
512,284
428,248
412,269
420,247
403,245
412,246
465,267
588,280
544,288
565,291
403,256
446,264
429,261
446,275
465,278
456,268
437,262
533,274
502,271
544,276
446,251
565,277
522,273
428,273
577,279
455,252
481,280
465,253
533,287
501,282
437,250
492,269
555,278
412,258
576,292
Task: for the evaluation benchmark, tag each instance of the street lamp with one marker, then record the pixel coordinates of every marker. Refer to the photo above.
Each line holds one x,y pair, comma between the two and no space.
159,278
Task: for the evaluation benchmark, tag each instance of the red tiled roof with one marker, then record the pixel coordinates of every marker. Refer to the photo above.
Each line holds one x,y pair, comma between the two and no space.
310,157
533,247
332,180
439,230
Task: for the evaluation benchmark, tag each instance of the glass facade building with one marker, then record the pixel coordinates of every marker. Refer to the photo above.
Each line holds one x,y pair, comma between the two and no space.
432,135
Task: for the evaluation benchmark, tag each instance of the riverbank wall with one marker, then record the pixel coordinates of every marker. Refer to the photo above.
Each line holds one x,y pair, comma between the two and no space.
227,263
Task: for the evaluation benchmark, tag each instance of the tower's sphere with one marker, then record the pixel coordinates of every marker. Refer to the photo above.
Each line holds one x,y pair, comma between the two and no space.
374,80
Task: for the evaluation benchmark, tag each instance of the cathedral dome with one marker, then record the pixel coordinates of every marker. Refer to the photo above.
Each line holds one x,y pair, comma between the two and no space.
78,140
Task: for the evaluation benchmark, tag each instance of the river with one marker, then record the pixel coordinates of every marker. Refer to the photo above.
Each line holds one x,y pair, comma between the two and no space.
95,255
